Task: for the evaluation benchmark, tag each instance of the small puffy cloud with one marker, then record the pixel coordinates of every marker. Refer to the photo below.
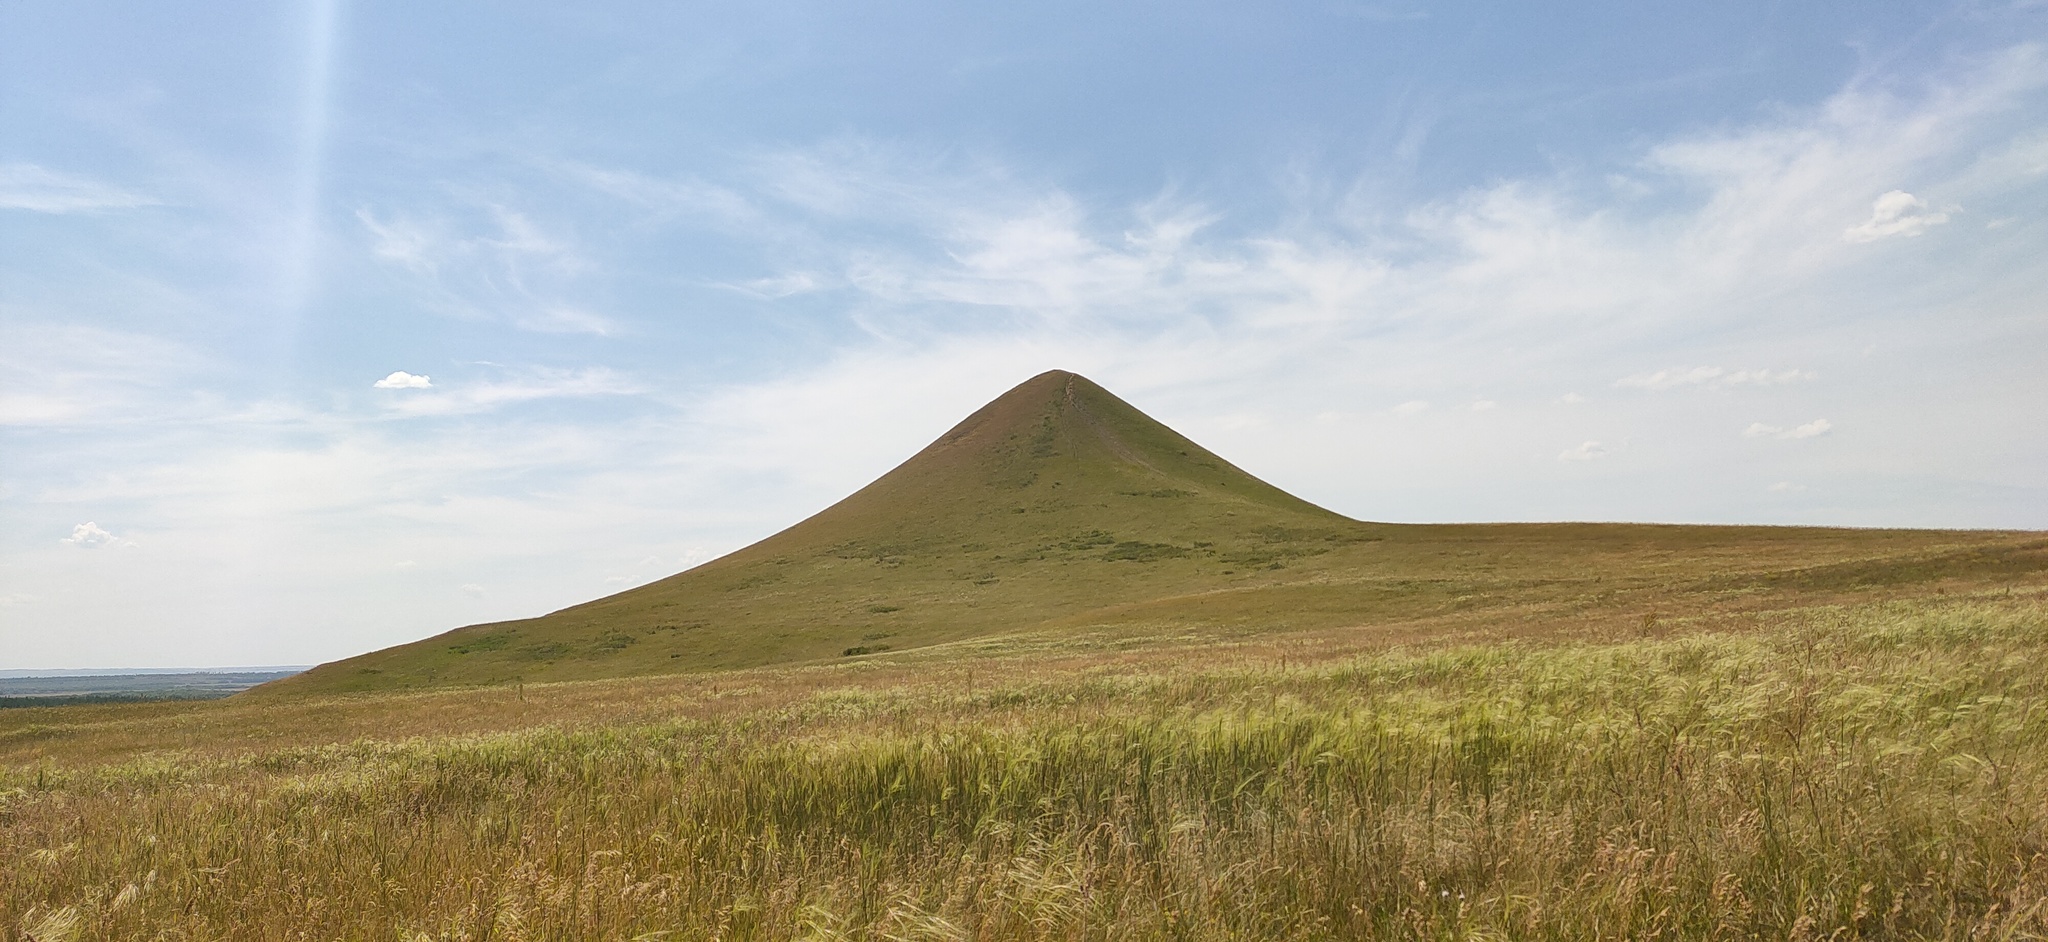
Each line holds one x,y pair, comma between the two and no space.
1812,429
17,598
1586,451
1411,408
1483,405
403,380
30,187
473,590
1897,213
1571,399
91,535
1786,487
1712,377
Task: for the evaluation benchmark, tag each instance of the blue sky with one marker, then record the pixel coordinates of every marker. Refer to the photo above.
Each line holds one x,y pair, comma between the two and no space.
330,325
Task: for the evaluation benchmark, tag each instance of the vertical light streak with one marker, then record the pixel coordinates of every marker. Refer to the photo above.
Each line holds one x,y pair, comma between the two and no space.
302,247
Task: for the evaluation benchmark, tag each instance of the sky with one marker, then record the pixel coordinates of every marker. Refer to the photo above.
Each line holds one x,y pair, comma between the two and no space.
327,325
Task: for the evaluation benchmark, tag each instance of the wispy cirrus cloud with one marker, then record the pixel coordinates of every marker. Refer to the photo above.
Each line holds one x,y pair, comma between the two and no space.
1583,451
37,189
664,196
58,374
1712,377
778,286
531,386
1813,429
508,268
403,242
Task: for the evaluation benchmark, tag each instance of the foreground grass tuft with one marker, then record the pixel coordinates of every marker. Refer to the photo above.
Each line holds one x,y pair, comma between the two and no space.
1875,772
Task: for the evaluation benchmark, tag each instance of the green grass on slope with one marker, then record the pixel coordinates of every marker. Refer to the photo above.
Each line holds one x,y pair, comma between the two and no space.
1875,772
1060,507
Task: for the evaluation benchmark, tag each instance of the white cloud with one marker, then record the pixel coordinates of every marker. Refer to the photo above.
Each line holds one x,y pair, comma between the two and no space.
1411,407
1711,376
472,590
779,286
1896,213
33,188
11,599
1571,399
91,535
1812,429
537,384
1483,405
403,380
1786,487
1584,451
1764,377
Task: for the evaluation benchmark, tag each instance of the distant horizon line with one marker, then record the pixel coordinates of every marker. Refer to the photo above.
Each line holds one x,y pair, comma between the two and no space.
19,673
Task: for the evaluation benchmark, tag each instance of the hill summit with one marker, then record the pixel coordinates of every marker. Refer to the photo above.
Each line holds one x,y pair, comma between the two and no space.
1055,499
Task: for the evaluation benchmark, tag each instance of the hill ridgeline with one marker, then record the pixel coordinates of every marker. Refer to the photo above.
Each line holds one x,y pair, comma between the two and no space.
1058,513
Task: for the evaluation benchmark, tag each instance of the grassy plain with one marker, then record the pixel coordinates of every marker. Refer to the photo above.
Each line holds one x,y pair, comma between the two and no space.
1871,768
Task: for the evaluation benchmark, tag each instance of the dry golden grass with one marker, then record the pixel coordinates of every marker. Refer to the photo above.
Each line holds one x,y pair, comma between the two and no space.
1877,769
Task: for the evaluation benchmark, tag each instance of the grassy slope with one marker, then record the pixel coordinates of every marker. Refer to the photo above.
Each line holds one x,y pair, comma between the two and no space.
1060,509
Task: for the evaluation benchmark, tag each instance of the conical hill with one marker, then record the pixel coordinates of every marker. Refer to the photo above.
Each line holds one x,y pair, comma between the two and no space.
1058,514
1053,500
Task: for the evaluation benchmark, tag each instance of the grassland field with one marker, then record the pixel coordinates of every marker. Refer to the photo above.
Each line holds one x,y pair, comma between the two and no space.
1872,766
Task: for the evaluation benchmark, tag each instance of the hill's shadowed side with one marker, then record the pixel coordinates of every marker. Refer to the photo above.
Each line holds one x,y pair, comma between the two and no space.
1060,508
